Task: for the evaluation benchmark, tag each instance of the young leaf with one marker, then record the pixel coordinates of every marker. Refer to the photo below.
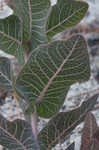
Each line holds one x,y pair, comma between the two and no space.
49,72
10,37
96,134
71,147
16,135
90,127
66,13
61,125
94,145
33,15
6,74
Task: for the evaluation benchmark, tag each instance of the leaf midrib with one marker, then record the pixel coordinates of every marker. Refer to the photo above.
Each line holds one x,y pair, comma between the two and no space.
59,24
62,134
6,78
43,92
10,37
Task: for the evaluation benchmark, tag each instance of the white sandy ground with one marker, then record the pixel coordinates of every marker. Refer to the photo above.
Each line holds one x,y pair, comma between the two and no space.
75,89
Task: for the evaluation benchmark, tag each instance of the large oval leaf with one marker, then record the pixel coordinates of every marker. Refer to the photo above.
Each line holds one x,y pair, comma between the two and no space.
16,135
33,15
49,72
10,37
61,125
6,74
66,13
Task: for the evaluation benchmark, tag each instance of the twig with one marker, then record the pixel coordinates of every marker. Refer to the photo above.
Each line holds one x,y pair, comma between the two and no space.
84,93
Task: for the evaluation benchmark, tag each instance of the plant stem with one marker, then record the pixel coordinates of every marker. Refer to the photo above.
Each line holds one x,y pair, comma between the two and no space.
34,122
34,125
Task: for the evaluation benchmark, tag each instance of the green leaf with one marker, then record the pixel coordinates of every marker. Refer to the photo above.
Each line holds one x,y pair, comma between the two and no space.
66,13
33,15
6,74
61,125
16,135
49,72
10,37
90,127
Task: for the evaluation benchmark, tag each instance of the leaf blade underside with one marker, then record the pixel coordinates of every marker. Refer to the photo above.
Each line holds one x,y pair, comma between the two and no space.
61,125
6,75
90,127
10,37
16,135
66,13
49,72
33,15
94,145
